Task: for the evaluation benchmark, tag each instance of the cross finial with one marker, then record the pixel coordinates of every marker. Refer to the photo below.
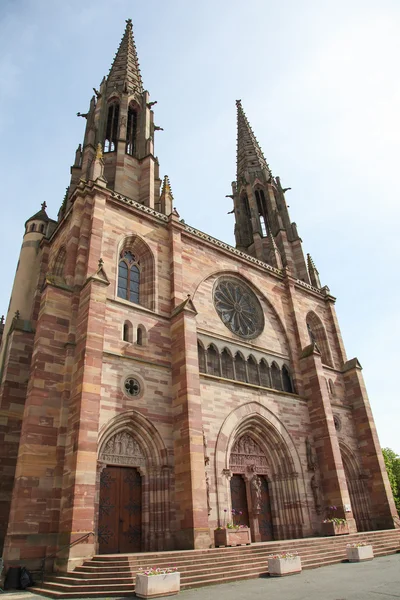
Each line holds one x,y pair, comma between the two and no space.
44,206
17,314
2,320
101,263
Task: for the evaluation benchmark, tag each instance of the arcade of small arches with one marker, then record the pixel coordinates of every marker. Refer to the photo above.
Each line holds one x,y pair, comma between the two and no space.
247,370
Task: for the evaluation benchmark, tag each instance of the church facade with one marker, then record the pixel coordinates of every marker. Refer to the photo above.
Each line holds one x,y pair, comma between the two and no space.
154,379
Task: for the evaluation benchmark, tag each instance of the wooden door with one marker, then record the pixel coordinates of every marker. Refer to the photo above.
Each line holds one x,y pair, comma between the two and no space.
120,510
265,516
239,500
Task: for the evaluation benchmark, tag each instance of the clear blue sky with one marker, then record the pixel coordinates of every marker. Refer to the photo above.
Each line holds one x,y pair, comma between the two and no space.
320,85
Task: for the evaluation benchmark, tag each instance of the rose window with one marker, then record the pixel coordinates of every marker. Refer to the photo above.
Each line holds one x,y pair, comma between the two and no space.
238,308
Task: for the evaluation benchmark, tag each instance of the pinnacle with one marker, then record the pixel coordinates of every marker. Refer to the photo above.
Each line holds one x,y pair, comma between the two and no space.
166,187
310,263
249,154
125,70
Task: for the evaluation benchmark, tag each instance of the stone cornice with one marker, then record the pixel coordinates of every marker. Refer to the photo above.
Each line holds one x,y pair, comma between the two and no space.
141,207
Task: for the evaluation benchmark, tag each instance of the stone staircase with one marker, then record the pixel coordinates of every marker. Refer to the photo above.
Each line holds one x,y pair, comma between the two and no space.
114,575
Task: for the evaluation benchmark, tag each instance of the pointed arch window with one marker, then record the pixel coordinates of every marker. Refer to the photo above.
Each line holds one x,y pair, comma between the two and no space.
111,137
213,361
286,380
240,368
276,377
227,365
265,377
131,131
202,358
262,212
252,371
59,263
128,277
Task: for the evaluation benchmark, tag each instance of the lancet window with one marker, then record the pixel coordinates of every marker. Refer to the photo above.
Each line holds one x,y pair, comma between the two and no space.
131,132
111,137
262,211
128,277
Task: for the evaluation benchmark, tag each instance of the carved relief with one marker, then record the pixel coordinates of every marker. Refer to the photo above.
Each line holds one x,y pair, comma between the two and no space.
122,449
247,455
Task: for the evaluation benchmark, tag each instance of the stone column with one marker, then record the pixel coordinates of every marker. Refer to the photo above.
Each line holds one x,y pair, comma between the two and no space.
383,511
333,479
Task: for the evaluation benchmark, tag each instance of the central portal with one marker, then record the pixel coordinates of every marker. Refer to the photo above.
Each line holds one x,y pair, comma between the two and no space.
120,510
250,495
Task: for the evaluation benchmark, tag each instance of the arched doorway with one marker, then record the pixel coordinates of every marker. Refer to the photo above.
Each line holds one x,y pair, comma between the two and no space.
250,496
133,488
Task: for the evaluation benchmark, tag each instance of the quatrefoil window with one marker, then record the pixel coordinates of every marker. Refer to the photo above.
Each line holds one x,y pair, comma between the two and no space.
132,386
238,308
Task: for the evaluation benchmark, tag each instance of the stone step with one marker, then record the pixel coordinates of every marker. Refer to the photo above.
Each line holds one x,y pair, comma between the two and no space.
114,575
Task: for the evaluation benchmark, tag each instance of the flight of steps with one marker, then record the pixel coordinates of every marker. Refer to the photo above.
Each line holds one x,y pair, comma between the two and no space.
114,575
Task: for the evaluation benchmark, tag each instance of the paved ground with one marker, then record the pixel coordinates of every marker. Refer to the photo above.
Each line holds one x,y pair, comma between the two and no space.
378,579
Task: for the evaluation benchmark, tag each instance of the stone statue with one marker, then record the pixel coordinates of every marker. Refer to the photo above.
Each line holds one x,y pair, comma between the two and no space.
255,486
311,462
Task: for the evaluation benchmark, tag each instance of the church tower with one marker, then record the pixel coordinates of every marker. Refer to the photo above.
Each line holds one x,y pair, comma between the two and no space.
155,380
120,121
263,228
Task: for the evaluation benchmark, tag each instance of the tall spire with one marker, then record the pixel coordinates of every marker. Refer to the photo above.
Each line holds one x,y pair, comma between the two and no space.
250,157
125,71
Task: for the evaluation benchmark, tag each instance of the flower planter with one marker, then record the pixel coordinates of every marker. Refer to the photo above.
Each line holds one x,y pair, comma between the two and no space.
359,553
278,567
232,537
155,586
332,528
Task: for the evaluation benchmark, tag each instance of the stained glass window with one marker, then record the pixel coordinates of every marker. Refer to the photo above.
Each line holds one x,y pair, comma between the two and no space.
238,308
128,278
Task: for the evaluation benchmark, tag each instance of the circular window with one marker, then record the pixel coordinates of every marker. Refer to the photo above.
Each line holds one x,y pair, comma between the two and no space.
238,308
132,386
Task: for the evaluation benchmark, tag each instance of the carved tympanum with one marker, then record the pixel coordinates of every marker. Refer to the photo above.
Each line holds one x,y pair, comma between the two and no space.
246,455
122,449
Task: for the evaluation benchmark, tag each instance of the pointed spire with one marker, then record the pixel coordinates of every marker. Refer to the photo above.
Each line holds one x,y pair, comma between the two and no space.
166,198
249,154
125,71
313,273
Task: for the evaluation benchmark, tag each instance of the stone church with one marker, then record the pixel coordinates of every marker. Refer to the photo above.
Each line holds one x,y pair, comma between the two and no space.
154,378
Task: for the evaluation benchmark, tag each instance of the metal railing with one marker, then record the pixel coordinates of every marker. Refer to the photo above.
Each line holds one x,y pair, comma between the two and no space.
42,567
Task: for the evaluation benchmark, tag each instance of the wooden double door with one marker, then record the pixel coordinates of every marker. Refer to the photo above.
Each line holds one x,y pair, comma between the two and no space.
120,510
239,497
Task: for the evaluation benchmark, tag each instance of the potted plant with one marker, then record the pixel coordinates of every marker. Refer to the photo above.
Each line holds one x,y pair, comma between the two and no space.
155,582
333,525
359,551
287,563
233,533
